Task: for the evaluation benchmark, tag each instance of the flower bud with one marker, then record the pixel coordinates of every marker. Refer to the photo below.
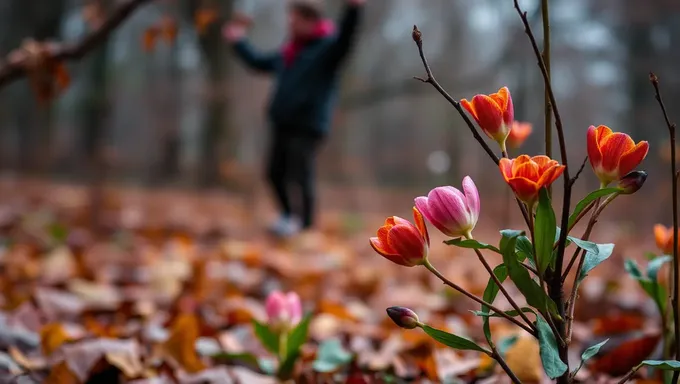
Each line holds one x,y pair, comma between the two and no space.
403,317
632,182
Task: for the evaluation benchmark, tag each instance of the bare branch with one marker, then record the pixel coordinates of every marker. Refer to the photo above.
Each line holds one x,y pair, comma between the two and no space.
15,67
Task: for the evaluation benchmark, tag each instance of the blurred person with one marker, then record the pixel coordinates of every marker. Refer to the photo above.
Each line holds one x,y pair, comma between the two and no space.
306,71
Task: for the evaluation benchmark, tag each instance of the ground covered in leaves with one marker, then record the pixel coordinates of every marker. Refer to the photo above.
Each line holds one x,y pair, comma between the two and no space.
168,289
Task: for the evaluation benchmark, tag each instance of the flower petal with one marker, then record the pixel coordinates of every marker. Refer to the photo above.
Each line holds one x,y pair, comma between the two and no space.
505,165
420,224
472,198
528,170
550,175
663,236
408,243
294,307
519,161
613,147
631,159
489,114
594,154
448,208
469,107
526,190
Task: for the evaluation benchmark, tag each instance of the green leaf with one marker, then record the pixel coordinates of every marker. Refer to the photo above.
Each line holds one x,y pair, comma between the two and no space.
506,235
298,336
534,294
525,250
589,199
331,356
550,357
665,365
655,290
244,358
511,313
595,254
588,354
268,338
472,244
490,293
654,266
545,229
453,341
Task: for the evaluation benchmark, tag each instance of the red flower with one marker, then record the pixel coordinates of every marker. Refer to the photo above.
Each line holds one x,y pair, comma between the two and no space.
613,154
494,114
518,133
527,175
402,242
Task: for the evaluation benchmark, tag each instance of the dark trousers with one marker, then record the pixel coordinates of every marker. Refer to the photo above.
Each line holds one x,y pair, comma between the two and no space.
292,159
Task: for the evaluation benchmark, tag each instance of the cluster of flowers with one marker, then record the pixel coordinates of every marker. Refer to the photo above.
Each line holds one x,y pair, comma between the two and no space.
613,157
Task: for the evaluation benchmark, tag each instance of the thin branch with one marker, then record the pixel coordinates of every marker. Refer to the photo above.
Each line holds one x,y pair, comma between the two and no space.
15,67
418,39
503,290
545,15
453,285
497,356
630,374
583,165
674,191
555,284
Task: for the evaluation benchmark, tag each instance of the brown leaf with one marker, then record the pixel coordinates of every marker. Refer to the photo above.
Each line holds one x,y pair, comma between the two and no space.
625,356
523,358
181,345
61,374
204,18
82,357
53,336
617,324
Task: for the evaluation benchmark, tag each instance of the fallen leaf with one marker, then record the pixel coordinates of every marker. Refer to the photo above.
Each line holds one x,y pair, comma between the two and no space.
61,374
53,336
83,356
181,345
617,324
617,360
523,358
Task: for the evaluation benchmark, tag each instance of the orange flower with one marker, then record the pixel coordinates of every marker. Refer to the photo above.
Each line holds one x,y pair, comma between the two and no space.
613,154
401,242
664,238
527,175
494,114
518,133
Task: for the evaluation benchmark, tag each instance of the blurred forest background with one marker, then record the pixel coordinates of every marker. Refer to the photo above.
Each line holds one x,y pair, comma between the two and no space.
186,115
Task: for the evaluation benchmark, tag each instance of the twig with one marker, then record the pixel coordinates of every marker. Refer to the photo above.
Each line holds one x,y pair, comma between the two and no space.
453,285
578,173
418,39
555,285
15,68
545,15
530,268
503,290
630,374
497,356
674,191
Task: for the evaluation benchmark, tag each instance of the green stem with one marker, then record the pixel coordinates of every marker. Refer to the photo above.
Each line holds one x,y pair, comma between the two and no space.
283,346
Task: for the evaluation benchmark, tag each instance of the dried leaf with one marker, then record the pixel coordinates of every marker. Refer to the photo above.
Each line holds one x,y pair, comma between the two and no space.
61,374
524,359
53,336
181,346
622,358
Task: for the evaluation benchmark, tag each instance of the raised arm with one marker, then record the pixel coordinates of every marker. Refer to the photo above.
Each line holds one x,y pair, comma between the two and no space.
348,26
235,33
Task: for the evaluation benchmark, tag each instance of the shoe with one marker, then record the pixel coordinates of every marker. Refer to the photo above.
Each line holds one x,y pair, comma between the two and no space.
285,226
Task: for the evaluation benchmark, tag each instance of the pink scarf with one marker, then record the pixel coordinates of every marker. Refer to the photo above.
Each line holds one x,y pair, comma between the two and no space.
292,48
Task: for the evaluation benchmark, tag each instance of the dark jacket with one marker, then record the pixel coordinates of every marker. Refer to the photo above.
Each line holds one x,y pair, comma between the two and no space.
306,91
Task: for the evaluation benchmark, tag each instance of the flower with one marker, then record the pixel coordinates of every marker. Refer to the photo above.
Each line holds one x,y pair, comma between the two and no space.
284,310
527,175
453,213
518,133
632,182
613,154
664,238
494,114
401,242
403,317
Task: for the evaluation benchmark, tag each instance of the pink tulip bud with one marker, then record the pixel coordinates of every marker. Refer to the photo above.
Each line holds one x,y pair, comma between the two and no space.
403,317
283,310
453,213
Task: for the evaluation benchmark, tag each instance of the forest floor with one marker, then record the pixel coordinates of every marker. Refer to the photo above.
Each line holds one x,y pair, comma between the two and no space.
168,289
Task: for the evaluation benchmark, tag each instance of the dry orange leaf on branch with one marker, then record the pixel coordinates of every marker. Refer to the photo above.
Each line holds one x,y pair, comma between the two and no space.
48,76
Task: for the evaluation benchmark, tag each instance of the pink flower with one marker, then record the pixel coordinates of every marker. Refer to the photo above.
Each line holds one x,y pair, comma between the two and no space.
283,310
402,242
453,213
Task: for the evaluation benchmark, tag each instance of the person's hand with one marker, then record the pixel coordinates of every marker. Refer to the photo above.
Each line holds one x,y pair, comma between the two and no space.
236,29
